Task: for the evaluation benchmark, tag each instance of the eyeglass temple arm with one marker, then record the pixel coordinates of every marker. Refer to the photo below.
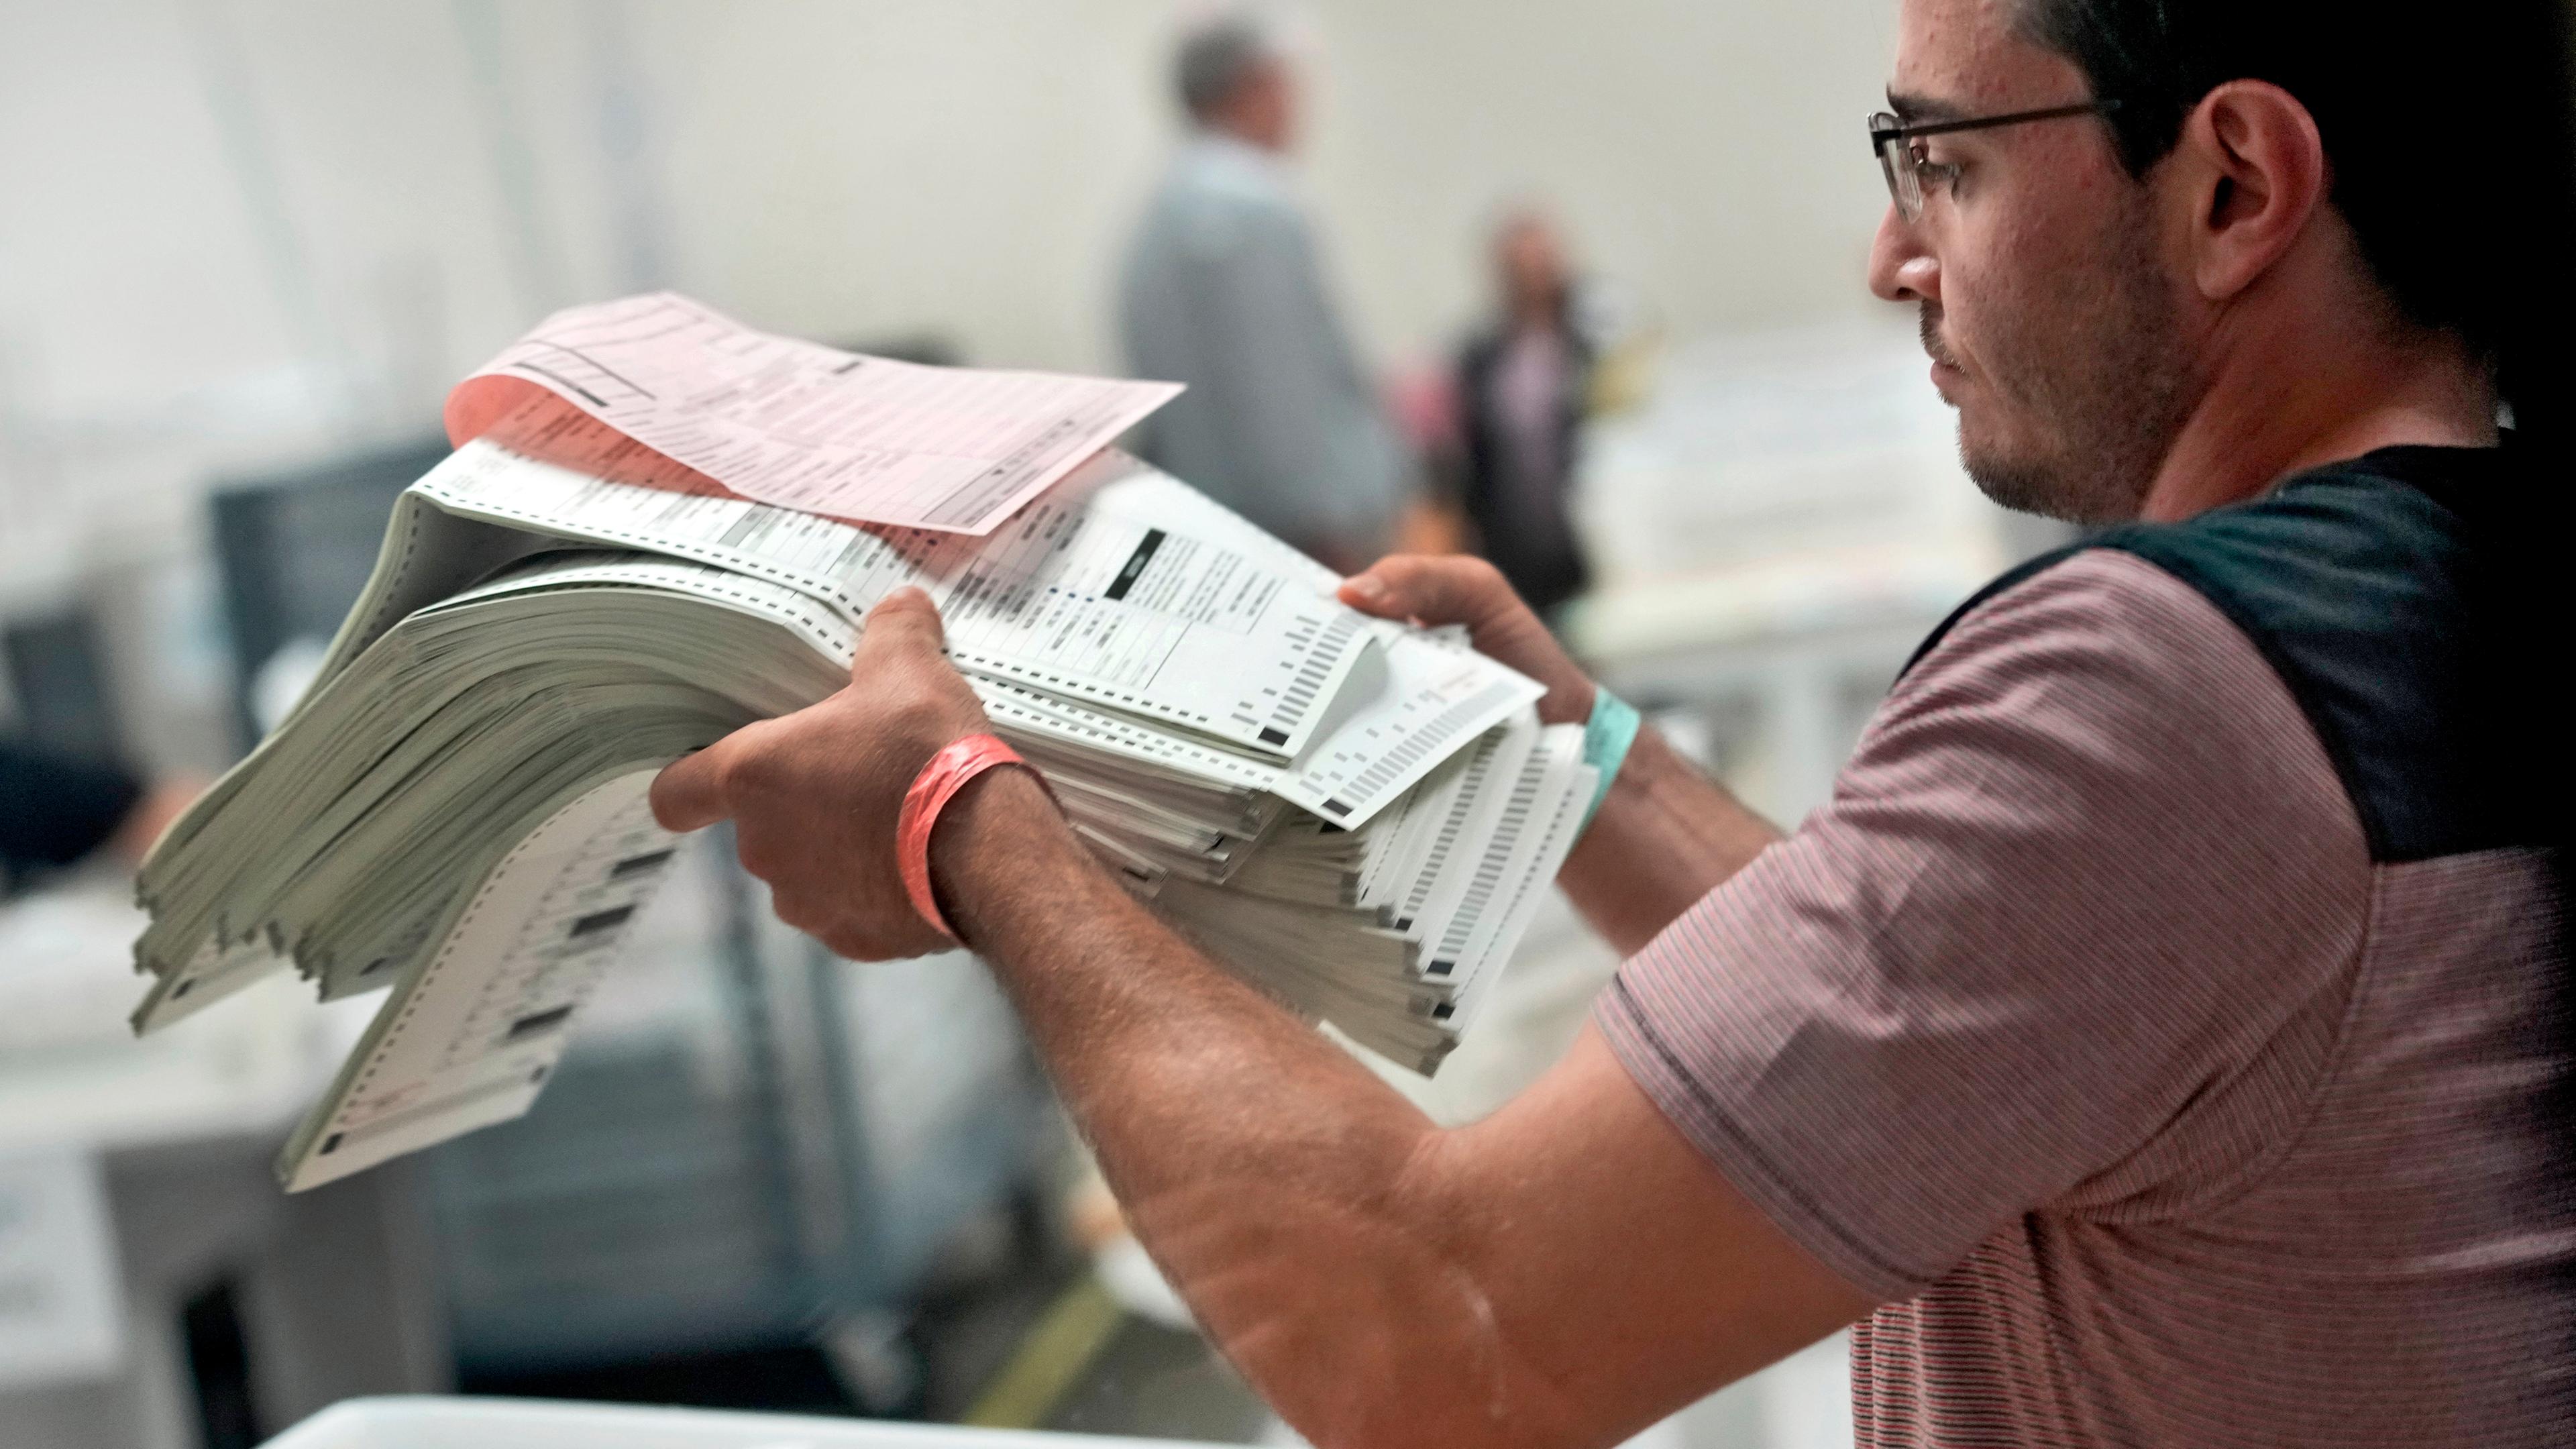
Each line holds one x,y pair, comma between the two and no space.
1883,134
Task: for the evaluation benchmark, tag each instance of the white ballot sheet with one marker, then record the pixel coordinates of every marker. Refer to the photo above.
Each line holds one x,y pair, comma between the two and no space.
833,637
1429,703
1433,696
1100,608
801,425
1528,843
469,1038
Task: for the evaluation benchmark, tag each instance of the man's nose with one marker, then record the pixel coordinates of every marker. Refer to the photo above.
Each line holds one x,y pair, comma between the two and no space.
1901,269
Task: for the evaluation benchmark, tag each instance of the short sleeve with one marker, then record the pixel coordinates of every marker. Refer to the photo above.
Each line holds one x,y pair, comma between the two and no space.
2067,933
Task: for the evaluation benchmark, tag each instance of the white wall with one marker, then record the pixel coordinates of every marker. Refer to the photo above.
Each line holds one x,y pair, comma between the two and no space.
973,163
199,191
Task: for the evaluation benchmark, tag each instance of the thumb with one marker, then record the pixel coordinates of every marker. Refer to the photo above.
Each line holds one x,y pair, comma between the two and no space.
1436,589
904,619
689,794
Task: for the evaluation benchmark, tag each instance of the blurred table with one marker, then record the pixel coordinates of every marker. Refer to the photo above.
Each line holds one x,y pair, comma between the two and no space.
226,1294
433,1423
1775,529
1781,660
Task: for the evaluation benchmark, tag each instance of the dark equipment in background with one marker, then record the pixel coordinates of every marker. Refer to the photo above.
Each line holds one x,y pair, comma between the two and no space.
58,678
294,549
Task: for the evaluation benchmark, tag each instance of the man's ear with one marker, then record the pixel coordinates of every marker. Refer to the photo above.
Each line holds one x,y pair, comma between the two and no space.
2253,173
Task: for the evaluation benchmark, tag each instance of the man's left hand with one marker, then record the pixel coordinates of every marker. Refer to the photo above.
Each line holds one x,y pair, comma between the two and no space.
815,794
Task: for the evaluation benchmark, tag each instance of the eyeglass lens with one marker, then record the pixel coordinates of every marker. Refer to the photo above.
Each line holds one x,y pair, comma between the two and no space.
1896,159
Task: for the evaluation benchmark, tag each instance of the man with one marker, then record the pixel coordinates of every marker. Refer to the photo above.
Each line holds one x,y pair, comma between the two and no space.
1223,290
1521,388
2159,1038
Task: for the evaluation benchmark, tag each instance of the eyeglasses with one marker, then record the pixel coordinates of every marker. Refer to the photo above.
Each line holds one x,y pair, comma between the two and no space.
1901,155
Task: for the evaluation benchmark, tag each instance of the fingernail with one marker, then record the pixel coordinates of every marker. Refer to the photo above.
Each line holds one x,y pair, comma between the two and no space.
1366,586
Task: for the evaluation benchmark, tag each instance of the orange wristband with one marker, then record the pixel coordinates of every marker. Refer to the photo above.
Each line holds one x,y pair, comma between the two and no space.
936,785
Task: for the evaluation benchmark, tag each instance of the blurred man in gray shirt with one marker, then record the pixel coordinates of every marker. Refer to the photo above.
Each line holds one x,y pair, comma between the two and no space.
1223,291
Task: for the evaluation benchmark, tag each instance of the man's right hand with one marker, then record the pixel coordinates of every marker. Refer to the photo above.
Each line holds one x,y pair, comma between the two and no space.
1455,589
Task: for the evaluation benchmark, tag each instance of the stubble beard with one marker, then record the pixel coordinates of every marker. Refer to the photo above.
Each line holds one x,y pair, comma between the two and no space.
2097,370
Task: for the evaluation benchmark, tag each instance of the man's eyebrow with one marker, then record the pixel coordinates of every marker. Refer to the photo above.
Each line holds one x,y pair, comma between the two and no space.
1917,110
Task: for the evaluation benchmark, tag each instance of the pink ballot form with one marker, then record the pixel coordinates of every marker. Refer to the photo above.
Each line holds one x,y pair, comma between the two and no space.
659,390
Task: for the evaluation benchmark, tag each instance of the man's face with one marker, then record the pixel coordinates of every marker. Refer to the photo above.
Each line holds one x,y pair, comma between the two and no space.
1264,106
2055,325
1531,262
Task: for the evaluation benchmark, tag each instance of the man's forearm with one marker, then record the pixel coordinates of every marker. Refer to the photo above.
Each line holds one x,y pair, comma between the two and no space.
1286,1190
1666,836
1559,1273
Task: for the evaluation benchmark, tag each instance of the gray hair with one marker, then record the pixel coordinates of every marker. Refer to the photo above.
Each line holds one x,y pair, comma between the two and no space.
1217,54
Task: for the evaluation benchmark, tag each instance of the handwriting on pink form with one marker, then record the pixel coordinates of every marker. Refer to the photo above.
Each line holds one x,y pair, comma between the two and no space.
659,390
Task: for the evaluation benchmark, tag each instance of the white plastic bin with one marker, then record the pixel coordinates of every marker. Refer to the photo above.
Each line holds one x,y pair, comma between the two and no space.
458,1423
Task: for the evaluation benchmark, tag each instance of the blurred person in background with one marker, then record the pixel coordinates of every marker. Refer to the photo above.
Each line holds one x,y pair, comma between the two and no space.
56,811
1223,290
1523,385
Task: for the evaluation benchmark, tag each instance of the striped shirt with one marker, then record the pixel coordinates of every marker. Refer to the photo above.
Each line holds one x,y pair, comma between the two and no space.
2162,1018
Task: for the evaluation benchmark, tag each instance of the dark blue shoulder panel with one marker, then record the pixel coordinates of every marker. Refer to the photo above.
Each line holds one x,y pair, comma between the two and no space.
2361,592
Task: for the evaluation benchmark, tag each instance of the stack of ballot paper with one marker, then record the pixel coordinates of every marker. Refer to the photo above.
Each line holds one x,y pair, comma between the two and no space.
1359,816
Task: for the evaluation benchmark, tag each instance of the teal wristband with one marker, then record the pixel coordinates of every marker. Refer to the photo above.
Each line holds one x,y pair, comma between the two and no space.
1606,738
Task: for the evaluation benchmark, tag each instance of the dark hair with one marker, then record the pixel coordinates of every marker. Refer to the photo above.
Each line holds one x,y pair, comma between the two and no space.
2450,133
1216,56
